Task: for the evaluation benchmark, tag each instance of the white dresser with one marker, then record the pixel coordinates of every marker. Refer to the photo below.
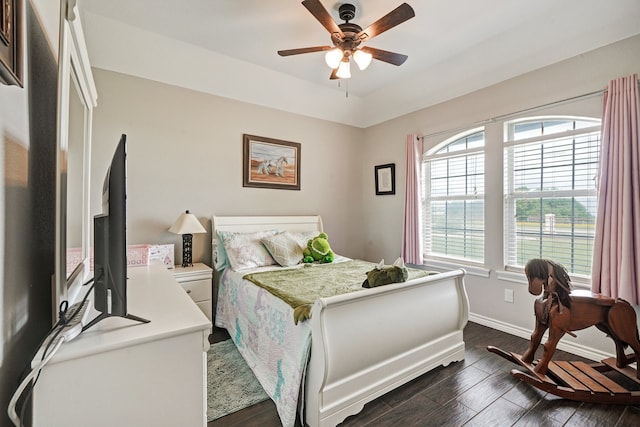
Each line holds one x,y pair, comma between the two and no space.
124,373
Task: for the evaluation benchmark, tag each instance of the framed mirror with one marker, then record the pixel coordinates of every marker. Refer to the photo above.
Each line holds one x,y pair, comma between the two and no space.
77,97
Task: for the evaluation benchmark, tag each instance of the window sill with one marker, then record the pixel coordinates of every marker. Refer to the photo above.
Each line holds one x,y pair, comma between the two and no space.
514,277
444,265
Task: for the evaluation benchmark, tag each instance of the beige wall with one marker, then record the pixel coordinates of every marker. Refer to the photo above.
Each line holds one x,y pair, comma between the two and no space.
385,143
185,152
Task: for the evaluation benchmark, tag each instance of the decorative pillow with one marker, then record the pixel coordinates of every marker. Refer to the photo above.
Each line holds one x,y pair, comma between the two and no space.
221,259
302,237
284,249
245,250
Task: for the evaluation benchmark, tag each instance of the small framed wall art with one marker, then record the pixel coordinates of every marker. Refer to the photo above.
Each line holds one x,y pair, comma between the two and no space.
385,179
270,163
11,42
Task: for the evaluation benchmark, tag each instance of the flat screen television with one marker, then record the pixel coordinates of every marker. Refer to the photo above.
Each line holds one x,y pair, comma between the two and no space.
110,243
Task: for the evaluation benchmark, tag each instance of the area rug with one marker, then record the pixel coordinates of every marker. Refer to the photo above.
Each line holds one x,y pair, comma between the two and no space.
231,385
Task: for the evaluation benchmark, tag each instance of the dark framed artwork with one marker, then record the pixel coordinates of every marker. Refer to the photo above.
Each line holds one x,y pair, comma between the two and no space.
270,163
385,179
11,42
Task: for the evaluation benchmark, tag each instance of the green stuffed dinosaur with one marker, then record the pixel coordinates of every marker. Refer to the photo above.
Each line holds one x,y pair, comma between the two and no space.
318,249
386,274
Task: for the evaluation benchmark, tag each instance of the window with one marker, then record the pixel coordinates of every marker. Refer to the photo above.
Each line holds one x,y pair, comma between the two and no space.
551,166
453,182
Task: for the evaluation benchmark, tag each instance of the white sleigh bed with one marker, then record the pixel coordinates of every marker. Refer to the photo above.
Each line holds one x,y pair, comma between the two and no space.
364,344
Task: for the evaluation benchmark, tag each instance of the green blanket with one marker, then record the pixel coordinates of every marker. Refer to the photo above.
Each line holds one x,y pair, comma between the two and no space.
301,287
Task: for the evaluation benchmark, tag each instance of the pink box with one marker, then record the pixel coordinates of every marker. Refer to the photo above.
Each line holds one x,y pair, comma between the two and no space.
74,256
137,255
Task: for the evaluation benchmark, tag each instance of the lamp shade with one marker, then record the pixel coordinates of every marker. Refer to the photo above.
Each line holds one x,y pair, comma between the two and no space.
344,70
363,59
333,58
187,223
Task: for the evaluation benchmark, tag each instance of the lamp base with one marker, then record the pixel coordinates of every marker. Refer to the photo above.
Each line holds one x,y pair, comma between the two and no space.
186,250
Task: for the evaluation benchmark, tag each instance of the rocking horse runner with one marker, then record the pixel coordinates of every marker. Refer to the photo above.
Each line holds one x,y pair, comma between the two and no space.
563,310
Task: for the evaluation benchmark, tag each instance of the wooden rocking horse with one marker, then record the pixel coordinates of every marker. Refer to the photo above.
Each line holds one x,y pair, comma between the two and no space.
563,310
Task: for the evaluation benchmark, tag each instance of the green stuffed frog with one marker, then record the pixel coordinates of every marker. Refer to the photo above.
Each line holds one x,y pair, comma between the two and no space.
318,249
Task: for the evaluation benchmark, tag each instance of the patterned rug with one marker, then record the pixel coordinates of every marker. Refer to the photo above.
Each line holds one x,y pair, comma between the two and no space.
231,385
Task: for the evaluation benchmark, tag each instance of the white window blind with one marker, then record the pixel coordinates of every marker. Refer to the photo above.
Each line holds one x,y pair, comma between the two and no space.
453,179
551,166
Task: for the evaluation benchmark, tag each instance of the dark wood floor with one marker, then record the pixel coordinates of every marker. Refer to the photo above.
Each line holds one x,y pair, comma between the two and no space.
478,391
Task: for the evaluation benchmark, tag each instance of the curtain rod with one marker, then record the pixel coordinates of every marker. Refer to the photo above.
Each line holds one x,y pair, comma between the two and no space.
516,113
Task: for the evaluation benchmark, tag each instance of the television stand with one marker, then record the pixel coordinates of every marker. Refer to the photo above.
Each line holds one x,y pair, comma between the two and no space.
120,373
105,315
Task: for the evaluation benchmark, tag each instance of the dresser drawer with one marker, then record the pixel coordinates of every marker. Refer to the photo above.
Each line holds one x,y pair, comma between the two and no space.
198,290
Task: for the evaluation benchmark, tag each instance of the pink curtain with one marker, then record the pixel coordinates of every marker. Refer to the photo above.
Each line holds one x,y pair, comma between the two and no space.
412,224
616,252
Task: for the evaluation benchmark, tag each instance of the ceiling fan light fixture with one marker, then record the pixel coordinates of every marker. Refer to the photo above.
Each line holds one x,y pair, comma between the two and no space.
363,59
333,58
348,36
344,70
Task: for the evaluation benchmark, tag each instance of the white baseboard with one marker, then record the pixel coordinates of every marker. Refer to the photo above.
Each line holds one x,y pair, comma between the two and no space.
568,346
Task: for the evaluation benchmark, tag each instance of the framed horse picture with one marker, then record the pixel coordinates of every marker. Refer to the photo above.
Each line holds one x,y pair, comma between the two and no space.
11,42
270,163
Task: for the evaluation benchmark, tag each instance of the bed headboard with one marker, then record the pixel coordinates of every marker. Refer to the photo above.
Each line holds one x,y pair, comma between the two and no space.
247,224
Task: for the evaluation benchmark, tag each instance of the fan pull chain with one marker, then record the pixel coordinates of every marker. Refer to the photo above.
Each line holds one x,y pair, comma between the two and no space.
346,92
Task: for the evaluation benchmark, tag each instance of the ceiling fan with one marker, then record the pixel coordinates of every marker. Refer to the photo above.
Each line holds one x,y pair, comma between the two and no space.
348,37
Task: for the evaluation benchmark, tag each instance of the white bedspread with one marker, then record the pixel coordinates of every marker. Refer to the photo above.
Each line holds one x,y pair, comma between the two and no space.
273,346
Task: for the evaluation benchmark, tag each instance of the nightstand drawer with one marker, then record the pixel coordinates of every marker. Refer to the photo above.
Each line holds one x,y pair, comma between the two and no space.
198,290
196,281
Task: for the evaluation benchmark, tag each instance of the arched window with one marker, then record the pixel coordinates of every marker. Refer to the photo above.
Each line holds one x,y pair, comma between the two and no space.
550,171
454,198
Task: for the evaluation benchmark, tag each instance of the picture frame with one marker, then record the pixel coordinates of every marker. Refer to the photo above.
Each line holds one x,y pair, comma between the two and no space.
385,177
270,163
11,42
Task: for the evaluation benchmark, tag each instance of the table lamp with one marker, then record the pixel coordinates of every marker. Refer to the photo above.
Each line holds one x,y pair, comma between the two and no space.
187,224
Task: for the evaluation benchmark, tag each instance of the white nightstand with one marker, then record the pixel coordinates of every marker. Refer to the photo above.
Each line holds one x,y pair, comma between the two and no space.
196,281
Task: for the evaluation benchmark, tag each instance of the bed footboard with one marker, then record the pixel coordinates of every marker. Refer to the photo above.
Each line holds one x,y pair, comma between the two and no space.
366,345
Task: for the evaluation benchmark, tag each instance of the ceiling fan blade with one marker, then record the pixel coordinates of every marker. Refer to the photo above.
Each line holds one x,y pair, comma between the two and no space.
386,56
289,52
320,13
395,17
334,74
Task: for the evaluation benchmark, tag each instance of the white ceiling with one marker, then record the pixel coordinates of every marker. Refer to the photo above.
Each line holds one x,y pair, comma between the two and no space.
454,47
